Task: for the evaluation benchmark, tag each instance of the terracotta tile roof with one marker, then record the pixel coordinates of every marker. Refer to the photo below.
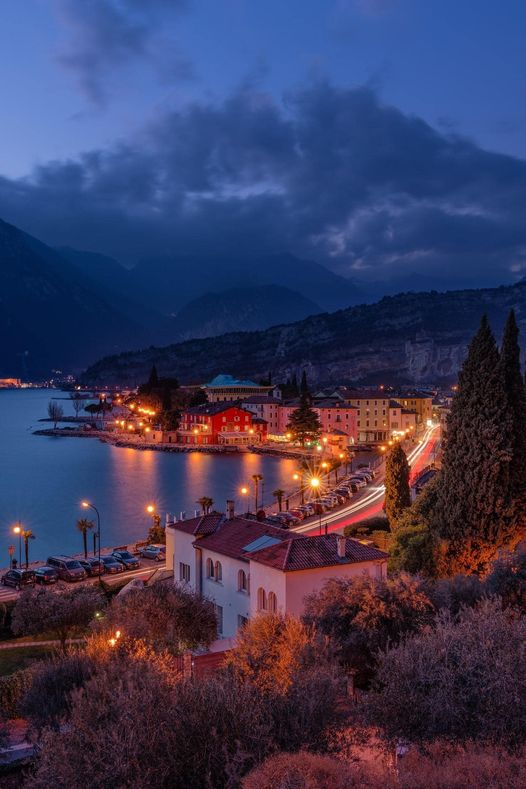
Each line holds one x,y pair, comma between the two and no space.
200,526
231,536
306,553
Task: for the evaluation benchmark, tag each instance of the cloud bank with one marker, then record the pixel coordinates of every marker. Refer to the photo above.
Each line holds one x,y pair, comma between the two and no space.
104,35
329,173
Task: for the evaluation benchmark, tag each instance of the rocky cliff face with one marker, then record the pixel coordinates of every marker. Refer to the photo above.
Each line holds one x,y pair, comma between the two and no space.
412,338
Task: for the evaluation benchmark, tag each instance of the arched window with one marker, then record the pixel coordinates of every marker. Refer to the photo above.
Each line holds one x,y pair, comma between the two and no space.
272,603
209,568
242,581
262,600
218,572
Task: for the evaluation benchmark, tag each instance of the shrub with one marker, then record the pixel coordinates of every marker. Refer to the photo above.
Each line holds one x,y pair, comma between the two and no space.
166,616
301,771
362,615
508,579
272,650
446,766
12,689
47,700
464,679
65,614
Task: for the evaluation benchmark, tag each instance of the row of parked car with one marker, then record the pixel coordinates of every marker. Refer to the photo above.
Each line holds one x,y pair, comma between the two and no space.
341,494
65,568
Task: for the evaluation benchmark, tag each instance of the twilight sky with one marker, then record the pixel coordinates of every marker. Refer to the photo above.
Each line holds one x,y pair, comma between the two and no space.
380,137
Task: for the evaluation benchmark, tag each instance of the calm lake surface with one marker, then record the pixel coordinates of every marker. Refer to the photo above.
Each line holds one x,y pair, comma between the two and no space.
43,480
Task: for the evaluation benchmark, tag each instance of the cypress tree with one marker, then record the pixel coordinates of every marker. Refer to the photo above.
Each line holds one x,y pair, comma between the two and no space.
473,485
514,526
294,385
397,493
153,380
304,387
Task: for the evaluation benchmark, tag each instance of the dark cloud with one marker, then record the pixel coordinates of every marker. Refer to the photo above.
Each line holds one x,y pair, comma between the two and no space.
331,174
104,35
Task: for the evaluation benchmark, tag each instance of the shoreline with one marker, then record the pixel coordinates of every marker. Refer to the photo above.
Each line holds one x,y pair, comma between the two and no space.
128,443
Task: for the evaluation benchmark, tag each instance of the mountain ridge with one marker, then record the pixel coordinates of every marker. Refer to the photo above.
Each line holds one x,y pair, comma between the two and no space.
409,338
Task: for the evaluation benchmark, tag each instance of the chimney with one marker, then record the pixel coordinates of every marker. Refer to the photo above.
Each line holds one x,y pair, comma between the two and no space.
230,509
341,544
182,516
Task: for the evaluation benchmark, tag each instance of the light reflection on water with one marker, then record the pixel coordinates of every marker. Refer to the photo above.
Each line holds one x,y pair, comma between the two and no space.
43,480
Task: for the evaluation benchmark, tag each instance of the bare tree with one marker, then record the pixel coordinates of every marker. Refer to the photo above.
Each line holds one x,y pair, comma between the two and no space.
77,401
55,411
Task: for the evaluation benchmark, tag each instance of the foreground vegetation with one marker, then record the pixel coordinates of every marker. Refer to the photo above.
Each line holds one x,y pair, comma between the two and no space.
440,664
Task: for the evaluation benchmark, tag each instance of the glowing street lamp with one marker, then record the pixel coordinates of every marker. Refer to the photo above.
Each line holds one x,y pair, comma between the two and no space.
18,530
88,505
315,483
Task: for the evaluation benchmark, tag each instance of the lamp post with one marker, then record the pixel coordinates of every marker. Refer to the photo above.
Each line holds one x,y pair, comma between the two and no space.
87,505
315,485
18,530
244,492
11,551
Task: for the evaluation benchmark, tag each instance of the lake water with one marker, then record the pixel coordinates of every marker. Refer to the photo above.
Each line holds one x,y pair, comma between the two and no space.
43,479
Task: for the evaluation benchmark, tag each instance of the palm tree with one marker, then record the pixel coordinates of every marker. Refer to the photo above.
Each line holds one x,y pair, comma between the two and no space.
205,503
257,479
278,493
84,525
27,535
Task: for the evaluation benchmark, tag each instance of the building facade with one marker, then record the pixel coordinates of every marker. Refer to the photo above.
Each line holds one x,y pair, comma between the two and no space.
220,423
248,567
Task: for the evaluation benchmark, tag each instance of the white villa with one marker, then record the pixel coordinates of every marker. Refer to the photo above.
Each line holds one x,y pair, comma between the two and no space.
246,566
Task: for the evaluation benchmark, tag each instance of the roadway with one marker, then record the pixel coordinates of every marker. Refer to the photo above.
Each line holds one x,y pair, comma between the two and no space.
370,500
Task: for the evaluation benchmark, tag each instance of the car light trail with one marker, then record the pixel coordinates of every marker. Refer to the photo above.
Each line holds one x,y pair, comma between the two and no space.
371,502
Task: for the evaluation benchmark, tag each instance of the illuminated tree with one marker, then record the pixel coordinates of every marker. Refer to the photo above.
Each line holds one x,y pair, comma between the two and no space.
304,423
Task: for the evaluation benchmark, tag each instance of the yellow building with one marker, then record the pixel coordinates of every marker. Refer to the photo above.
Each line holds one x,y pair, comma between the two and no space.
422,404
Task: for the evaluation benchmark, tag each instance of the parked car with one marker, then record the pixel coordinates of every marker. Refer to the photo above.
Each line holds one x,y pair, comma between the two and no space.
127,559
297,513
154,552
359,482
92,566
46,575
112,565
364,475
18,578
344,492
68,569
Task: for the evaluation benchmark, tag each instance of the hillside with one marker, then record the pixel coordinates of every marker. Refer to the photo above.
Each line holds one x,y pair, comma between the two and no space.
241,309
412,337
49,318
168,283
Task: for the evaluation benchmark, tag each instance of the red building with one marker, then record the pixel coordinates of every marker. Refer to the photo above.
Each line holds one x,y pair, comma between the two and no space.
221,423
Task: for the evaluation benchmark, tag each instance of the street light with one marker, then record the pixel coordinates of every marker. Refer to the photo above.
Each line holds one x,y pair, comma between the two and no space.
244,492
315,485
18,530
87,505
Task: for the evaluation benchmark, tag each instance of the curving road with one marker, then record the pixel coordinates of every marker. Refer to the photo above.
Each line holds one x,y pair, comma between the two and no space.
370,501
